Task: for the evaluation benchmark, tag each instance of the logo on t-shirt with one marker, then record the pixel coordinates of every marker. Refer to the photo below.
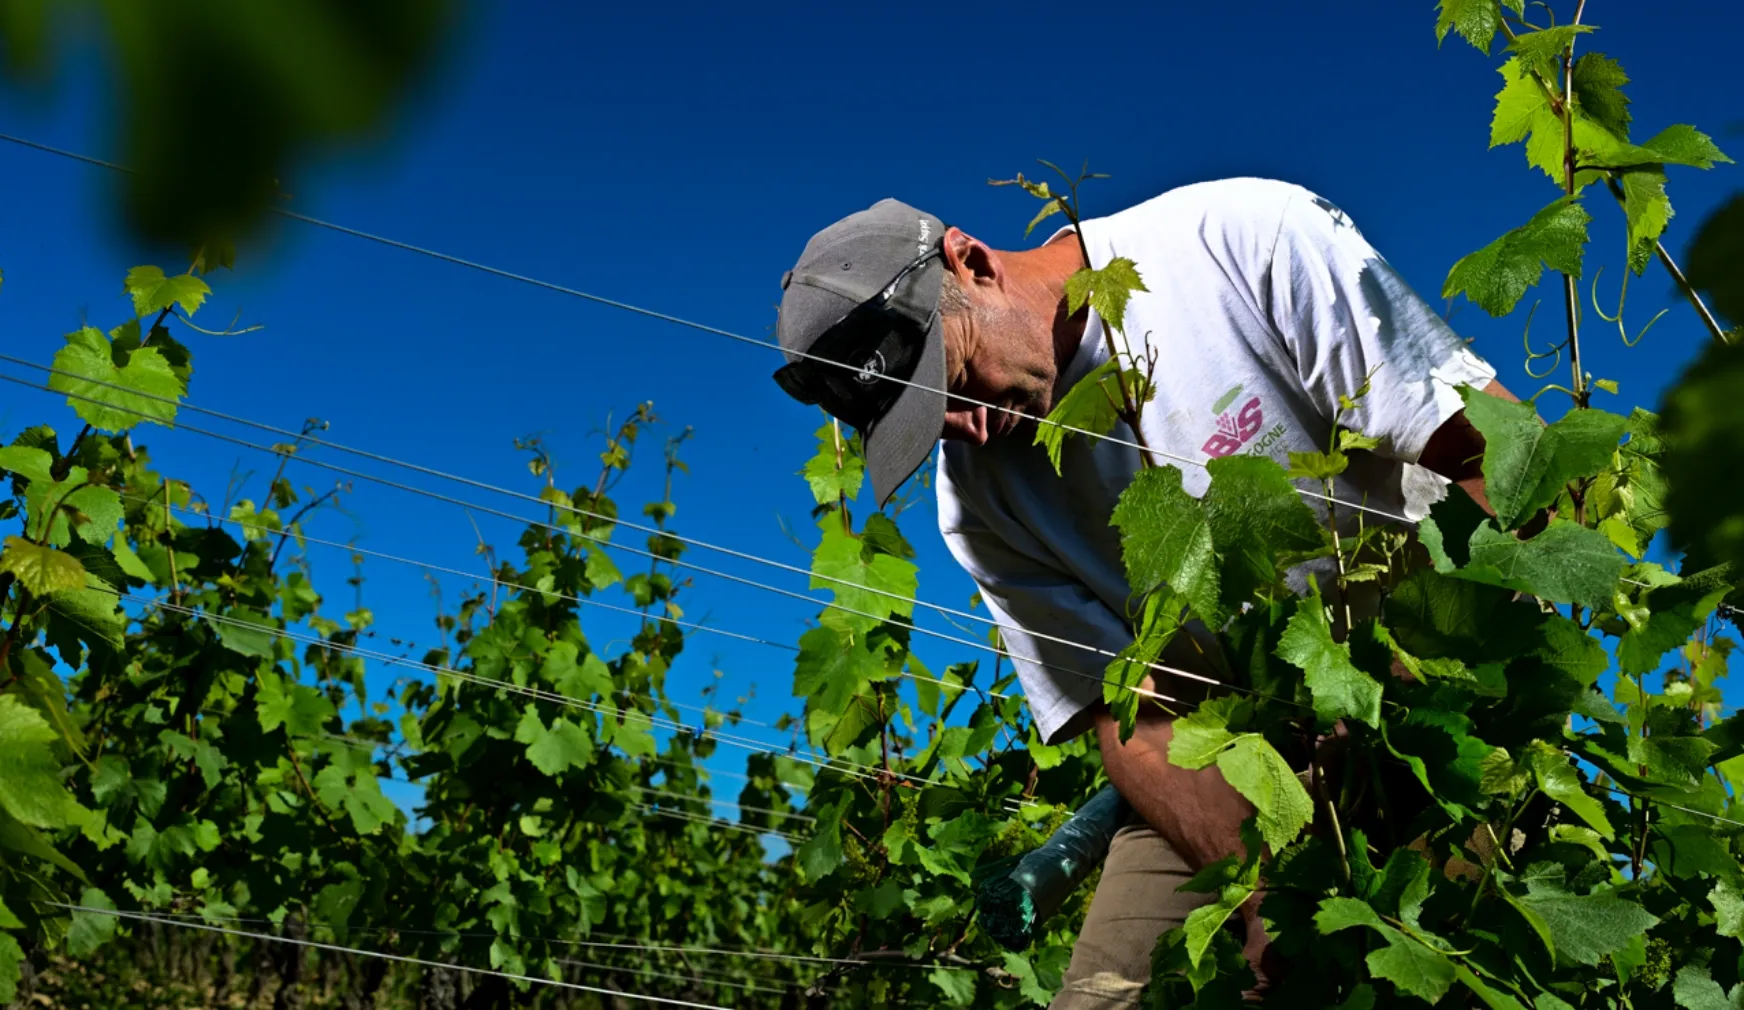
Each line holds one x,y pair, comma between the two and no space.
1235,428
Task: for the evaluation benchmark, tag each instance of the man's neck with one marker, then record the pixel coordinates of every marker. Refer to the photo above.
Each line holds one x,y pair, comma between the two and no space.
1054,263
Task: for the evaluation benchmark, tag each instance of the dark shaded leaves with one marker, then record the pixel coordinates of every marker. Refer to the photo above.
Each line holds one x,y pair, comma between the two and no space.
1700,423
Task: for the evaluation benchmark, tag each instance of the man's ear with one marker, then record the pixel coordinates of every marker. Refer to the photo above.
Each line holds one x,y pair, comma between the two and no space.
974,263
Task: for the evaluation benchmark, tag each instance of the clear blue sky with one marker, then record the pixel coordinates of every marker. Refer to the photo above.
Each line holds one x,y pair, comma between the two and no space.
679,156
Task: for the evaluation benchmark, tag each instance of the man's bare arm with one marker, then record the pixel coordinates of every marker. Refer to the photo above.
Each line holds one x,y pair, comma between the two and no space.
1197,812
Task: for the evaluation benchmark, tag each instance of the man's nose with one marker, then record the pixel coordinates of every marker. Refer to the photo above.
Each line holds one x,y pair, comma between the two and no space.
967,425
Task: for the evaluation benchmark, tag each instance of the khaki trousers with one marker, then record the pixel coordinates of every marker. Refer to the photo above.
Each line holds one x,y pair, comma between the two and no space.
1135,903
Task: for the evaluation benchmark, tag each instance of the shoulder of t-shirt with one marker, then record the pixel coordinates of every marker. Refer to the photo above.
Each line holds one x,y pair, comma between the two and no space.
1250,209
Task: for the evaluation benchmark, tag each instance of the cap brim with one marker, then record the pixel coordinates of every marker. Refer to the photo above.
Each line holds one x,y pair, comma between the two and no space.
904,437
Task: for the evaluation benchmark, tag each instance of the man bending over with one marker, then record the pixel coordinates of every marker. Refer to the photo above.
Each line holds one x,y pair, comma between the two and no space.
1265,306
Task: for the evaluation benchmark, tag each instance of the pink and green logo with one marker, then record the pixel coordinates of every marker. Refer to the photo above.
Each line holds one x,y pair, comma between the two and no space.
1234,429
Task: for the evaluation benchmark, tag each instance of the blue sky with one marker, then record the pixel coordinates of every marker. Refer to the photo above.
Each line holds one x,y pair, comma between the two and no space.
678,156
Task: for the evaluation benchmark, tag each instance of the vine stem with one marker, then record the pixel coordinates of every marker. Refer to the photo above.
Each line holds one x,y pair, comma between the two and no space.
170,548
1332,814
1715,330
841,495
1571,295
1130,412
1689,292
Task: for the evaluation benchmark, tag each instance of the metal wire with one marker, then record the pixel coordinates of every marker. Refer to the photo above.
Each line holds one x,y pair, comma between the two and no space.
493,579
714,822
400,958
972,643
1674,806
711,801
846,767
585,601
386,482
697,978
629,943
691,324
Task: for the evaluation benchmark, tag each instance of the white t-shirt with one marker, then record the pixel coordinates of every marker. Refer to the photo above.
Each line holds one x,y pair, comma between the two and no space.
1264,305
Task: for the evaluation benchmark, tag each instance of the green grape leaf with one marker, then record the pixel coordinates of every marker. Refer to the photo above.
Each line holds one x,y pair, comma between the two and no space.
1317,465
631,735
87,362
29,462
16,836
42,570
1340,690
1640,648
1628,499
1528,463
1566,563
58,509
1570,649
1254,514
1700,423
554,750
1681,144
302,710
1205,922
1728,904
1497,276
1695,989
1587,927
1165,539
11,957
820,854
1598,84
154,292
252,634
1107,290
1493,998
1092,404
1476,21
1342,913
1202,735
1648,212
860,576
334,903
30,784
91,930
352,788
1522,107
833,669
1257,771
1446,532
1562,782
827,478
1542,50
600,570
581,680
958,986
1412,967
88,617
1048,210
1680,760
1161,620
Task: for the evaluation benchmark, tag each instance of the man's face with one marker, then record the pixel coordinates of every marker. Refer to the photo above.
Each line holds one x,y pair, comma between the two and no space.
996,353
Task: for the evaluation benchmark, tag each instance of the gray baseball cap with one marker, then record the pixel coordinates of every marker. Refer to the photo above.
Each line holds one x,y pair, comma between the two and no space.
859,321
